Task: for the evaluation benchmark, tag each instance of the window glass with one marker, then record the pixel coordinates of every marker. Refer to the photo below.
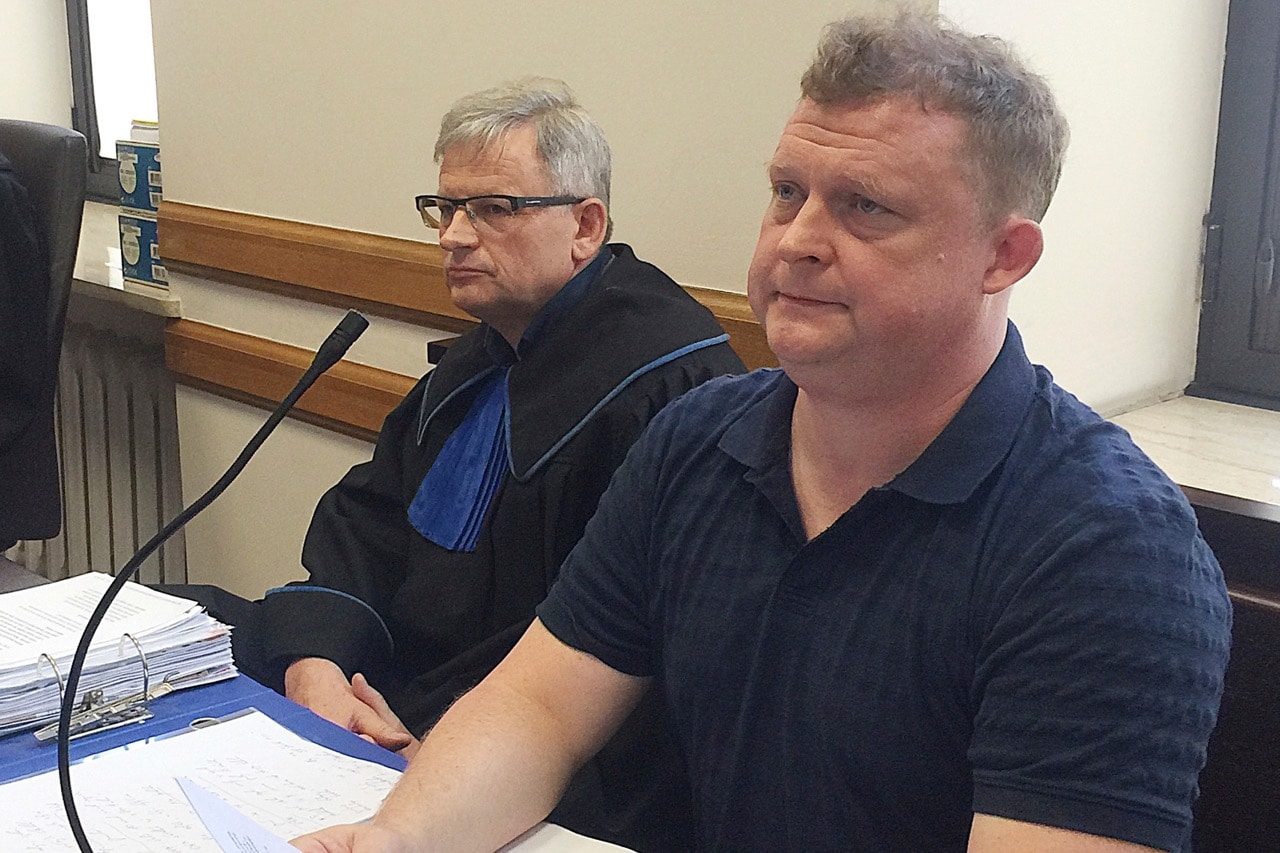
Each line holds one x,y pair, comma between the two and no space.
124,73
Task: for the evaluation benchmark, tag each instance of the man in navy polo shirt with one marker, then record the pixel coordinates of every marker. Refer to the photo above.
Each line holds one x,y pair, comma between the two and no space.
904,594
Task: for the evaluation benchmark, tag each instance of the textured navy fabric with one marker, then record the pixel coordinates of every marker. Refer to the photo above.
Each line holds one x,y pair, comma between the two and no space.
1025,623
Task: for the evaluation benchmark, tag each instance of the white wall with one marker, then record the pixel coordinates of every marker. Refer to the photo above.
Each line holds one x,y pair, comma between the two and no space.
35,64
329,117
1113,307
250,540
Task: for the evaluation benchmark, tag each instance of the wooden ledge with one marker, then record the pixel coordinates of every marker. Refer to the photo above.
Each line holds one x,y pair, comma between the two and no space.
389,276
350,398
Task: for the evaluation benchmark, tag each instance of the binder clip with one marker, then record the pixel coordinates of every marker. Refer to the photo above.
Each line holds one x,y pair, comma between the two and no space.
93,714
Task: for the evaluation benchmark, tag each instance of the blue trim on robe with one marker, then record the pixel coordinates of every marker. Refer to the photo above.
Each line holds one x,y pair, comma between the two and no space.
340,594
502,353
617,389
424,420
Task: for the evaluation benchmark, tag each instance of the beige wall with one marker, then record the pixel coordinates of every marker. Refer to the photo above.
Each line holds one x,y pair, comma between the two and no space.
35,66
1113,308
249,539
329,117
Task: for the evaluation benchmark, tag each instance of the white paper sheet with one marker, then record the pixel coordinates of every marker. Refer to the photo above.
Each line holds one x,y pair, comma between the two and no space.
49,618
231,830
129,800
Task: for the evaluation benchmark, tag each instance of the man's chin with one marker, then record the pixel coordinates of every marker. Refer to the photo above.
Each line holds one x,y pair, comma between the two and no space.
799,343
466,296
792,353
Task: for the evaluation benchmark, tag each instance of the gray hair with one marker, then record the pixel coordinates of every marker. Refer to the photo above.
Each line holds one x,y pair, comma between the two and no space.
570,143
1017,137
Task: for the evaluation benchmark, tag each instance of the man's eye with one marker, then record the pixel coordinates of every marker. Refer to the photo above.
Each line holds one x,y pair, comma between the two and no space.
492,209
446,210
786,193
862,204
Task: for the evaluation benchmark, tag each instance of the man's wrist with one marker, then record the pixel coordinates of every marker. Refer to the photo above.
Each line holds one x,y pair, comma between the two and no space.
302,672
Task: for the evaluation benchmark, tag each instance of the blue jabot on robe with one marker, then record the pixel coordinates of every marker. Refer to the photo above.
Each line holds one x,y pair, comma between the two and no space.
450,505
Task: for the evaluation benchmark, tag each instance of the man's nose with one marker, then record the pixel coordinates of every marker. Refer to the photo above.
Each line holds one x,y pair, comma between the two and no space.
459,231
808,235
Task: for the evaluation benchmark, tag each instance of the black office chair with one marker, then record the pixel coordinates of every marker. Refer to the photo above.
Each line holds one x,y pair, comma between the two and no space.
51,163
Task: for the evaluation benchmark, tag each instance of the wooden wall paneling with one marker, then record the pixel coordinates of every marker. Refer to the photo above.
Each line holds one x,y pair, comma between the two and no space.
384,275
398,272
350,398
746,335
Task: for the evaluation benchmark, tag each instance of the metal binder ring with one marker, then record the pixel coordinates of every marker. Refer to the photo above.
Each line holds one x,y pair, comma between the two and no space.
146,670
62,687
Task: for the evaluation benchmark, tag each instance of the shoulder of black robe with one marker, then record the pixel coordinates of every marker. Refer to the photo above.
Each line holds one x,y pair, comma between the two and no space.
634,320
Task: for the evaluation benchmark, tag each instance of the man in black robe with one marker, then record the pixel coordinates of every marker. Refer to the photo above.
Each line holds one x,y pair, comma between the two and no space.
426,563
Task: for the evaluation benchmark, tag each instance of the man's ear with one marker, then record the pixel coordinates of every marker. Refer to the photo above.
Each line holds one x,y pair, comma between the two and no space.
1018,245
593,222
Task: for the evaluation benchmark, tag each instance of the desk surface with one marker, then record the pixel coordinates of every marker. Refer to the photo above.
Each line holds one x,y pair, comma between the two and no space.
1223,455
22,755
15,576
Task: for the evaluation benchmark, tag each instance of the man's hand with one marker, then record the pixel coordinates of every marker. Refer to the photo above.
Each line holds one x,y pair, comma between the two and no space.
500,757
365,692
352,838
319,684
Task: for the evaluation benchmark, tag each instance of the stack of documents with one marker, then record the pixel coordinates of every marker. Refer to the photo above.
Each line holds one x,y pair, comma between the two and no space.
40,627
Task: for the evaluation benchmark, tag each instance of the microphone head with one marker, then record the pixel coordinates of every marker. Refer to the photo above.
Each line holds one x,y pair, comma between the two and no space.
352,325
339,341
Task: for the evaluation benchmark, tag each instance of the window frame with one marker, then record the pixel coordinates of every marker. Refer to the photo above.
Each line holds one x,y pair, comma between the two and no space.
1230,366
103,182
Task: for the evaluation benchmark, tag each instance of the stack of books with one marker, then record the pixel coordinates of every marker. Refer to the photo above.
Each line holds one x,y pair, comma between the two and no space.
147,640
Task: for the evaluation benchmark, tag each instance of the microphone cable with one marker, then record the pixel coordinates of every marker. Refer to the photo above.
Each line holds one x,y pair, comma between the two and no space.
329,354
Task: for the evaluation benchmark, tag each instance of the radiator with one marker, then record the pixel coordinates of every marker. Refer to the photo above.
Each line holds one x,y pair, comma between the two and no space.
117,430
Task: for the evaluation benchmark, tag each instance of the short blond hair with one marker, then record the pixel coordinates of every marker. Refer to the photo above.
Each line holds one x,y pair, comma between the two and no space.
1017,136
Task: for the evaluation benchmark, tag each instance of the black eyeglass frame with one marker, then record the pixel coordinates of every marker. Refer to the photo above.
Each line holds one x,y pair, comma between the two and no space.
517,202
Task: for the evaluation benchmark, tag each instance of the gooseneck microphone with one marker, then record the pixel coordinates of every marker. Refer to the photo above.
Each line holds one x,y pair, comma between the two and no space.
330,352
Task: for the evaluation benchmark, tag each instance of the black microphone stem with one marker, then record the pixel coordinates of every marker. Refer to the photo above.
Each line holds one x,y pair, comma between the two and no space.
330,352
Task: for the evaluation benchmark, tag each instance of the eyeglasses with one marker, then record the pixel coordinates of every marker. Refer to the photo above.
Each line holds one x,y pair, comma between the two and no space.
494,211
